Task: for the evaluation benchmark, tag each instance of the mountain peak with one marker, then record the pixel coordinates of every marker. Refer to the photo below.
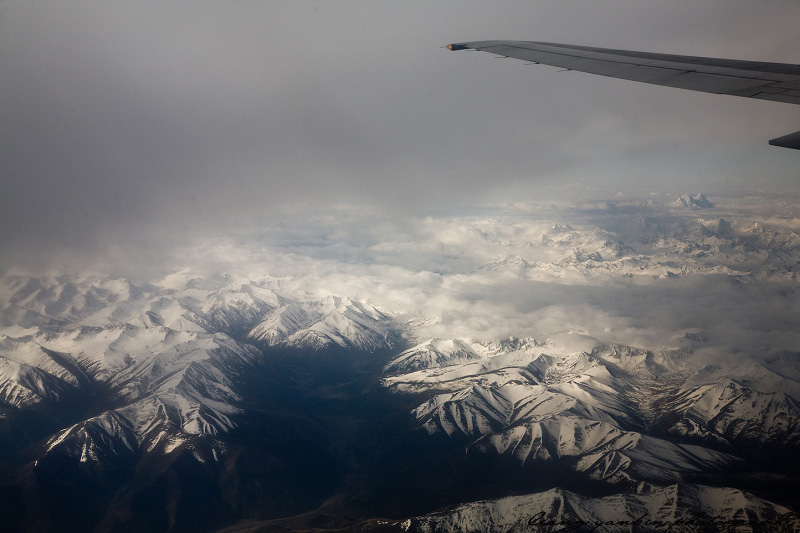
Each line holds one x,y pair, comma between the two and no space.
698,201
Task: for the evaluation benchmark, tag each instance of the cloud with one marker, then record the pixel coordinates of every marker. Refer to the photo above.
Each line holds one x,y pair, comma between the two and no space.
642,273
632,271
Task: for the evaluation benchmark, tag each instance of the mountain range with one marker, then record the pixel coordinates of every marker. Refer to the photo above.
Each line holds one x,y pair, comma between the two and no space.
240,402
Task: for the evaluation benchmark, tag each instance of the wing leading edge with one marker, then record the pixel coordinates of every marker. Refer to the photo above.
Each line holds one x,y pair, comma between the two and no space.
777,82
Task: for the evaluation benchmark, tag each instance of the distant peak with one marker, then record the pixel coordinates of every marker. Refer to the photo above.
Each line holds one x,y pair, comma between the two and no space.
698,201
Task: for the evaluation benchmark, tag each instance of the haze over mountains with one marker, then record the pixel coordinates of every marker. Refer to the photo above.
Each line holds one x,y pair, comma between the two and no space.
603,361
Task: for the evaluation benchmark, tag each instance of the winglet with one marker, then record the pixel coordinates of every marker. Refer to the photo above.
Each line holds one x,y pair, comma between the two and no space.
787,141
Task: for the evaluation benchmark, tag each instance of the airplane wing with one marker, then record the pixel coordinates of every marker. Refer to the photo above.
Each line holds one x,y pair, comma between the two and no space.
778,82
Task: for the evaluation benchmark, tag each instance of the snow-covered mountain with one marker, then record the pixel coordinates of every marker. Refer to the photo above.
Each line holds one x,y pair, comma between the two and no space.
653,371
331,322
587,409
698,201
534,405
678,507
432,353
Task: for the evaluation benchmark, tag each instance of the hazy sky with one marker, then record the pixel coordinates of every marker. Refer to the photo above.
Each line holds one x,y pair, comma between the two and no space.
143,123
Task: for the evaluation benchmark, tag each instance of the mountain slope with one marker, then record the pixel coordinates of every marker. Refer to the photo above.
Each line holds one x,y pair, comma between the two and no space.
681,507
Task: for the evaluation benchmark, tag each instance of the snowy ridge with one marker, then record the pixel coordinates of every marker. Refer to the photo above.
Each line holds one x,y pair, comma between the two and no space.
433,353
63,299
531,424
99,439
727,411
169,400
282,323
92,334
330,322
189,372
698,201
681,507
237,310
26,386
160,353
533,407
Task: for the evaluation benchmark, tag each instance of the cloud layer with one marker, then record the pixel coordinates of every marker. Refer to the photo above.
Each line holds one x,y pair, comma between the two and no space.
721,280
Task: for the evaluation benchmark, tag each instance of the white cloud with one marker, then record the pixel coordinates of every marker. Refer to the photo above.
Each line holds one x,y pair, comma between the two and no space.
642,273
634,272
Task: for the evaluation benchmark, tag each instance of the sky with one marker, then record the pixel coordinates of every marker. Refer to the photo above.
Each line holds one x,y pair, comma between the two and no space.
135,126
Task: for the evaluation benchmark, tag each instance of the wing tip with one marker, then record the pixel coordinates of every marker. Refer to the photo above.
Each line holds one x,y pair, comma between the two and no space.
457,46
787,141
